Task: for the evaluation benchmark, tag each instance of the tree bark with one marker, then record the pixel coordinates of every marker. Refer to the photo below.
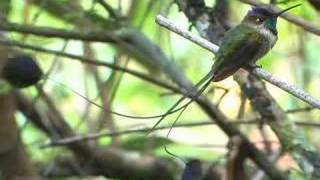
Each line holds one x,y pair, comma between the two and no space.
14,160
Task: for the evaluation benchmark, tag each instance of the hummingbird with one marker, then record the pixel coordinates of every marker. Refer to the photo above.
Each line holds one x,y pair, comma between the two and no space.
249,41
240,47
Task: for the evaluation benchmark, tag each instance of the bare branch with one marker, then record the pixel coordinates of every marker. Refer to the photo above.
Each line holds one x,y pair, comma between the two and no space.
161,20
51,32
91,61
295,91
77,138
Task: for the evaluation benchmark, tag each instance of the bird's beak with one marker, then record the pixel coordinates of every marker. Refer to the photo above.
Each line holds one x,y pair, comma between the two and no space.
285,10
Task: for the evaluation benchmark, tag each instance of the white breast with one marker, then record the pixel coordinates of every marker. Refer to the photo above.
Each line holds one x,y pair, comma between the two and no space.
271,39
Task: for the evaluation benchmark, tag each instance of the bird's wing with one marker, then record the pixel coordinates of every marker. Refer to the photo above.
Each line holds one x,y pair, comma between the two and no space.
239,46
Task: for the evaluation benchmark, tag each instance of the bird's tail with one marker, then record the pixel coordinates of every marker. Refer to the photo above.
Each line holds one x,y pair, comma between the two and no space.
193,93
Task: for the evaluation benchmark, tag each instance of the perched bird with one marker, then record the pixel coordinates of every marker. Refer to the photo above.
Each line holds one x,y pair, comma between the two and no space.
247,42
21,71
240,47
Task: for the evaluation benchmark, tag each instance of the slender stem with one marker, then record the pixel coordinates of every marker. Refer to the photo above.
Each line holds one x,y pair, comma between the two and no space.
77,138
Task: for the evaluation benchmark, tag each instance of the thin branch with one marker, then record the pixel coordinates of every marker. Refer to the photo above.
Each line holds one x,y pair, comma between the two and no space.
51,32
161,20
77,138
90,136
109,9
295,91
299,110
91,61
131,41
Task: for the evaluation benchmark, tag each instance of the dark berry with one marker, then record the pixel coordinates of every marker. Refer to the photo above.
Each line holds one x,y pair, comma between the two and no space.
21,71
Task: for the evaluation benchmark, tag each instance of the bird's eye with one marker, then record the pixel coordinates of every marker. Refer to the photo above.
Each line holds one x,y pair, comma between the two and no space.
259,20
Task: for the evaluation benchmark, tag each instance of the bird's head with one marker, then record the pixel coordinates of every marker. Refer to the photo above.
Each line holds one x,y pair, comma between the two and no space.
261,17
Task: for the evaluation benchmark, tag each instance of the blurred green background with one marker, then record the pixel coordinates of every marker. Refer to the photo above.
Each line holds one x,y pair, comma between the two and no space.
294,59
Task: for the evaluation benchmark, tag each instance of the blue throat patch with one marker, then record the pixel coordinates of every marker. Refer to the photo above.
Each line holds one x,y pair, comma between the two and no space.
271,23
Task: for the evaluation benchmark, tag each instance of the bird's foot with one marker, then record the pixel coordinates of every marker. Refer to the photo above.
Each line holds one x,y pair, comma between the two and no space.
251,67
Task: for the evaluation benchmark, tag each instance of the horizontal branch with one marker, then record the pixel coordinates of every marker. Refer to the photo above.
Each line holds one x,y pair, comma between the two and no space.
51,32
77,138
295,91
